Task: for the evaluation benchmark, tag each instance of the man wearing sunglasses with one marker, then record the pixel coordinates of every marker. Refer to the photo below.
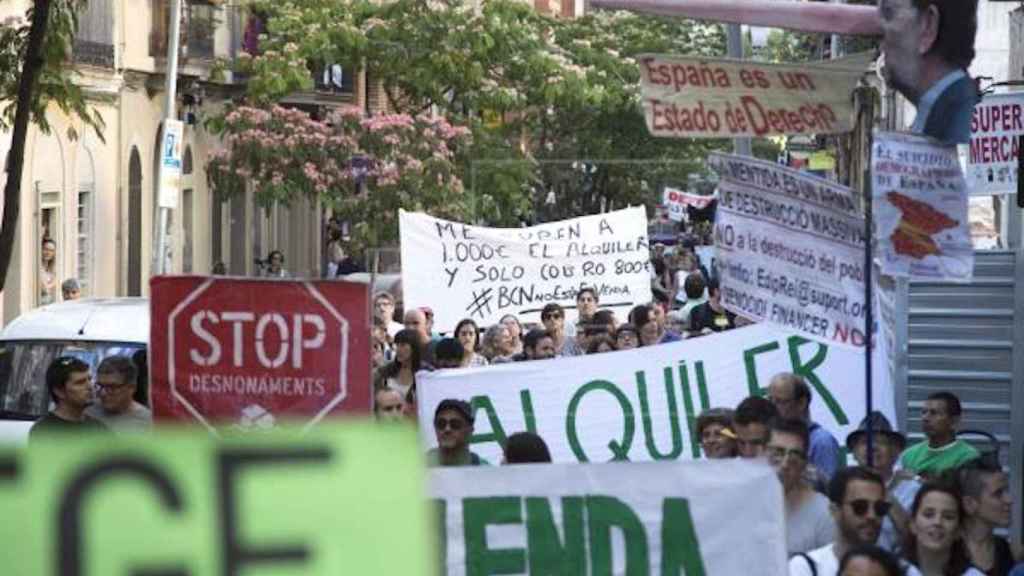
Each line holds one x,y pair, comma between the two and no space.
453,426
858,505
901,486
552,316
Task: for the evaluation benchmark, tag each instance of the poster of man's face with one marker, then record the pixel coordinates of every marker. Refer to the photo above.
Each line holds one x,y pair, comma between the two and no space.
903,45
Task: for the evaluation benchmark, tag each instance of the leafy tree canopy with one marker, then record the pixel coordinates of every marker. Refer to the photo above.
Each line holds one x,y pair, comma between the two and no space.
553,105
56,83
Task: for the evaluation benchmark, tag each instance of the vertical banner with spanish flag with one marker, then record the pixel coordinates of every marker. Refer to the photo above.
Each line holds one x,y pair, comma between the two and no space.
920,205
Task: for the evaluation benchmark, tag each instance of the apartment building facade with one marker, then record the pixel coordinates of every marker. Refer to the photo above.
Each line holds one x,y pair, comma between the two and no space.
94,197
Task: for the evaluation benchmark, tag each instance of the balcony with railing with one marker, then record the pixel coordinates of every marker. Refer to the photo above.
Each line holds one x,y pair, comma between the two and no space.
331,82
198,28
94,40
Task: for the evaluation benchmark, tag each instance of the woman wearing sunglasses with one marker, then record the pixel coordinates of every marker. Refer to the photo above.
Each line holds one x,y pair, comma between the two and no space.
934,544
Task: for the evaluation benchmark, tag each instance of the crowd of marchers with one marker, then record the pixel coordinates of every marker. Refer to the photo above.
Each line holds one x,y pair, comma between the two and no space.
935,508
686,303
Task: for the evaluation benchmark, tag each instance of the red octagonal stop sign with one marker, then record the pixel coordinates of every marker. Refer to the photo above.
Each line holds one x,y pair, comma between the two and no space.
249,353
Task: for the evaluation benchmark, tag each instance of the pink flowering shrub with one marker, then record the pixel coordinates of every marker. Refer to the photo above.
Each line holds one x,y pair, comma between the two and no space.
365,168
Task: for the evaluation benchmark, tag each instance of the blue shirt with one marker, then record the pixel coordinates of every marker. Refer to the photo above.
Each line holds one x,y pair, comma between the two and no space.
924,105
824,452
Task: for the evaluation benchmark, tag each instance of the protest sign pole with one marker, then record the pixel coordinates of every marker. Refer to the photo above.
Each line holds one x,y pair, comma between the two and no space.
864,103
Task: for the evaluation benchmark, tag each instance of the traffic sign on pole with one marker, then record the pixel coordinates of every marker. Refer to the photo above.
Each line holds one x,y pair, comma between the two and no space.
249,353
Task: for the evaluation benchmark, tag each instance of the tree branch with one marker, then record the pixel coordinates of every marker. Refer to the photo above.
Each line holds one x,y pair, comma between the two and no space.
26,87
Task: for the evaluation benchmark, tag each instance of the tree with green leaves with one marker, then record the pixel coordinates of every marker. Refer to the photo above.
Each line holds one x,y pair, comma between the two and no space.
34,73
553,105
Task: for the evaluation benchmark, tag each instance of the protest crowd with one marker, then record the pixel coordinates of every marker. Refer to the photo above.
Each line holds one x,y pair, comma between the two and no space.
936,507
932,508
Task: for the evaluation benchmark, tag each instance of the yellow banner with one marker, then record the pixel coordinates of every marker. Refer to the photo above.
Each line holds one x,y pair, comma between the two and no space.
709,98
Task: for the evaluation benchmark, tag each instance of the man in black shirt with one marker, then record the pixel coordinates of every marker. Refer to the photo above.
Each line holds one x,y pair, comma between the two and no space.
70,386
711,316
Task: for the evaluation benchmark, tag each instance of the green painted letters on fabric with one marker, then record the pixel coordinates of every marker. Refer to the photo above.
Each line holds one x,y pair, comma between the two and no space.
603,514
497,433
477,514
550,555
680,549
702,385
673,417
807,371
620,450
526,401
691,415
441,515
751,365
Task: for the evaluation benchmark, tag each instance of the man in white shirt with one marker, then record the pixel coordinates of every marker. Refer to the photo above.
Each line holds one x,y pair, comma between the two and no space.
858,505
384,309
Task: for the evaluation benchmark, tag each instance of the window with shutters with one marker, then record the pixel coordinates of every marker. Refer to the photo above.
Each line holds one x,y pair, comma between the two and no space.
84,221
198,28
186,211
94,39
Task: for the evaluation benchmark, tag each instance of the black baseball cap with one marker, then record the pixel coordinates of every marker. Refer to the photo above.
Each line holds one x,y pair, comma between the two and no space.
460,406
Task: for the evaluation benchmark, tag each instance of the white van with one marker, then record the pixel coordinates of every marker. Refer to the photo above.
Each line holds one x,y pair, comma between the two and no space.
90,329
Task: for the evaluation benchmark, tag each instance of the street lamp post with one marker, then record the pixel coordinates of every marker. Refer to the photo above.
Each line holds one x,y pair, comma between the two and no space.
169,170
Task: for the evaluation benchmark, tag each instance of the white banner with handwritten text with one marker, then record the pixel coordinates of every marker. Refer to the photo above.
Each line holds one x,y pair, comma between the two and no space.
463,271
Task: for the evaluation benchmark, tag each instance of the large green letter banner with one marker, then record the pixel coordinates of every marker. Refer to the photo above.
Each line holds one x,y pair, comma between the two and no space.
336,501
642,404
641,519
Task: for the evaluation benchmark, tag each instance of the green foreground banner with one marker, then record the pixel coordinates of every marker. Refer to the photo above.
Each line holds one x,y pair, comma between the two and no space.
338,500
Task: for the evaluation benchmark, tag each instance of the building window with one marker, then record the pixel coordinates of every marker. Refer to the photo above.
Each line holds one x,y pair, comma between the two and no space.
333,78
186,211
135,224
85,239
198,27
94,39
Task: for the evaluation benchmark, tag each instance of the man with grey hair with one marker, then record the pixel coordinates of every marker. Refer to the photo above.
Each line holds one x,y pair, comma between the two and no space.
116,381
70,289
792,397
